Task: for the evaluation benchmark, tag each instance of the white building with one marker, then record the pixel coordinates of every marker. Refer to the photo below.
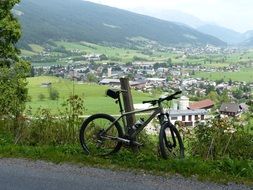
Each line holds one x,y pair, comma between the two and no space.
109,72
188,117
180,112
183,103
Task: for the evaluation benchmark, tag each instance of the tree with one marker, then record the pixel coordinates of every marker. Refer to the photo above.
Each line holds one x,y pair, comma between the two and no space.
53,94
209,88
91,77
213,96
230,82
13,70
238,94
224,98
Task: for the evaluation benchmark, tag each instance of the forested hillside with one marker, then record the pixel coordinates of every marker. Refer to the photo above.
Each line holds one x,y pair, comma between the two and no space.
78,20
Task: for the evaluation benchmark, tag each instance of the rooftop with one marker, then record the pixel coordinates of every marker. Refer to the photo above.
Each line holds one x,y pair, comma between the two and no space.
187,112
207,103
230,107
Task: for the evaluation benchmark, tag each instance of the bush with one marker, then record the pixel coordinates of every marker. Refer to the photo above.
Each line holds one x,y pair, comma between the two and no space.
44,128
53,94
221,138
41,97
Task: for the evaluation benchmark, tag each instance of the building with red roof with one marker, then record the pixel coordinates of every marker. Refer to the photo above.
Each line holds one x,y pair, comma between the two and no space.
203,104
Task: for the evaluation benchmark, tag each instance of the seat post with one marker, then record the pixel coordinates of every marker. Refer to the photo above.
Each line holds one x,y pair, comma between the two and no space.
122,111
120,105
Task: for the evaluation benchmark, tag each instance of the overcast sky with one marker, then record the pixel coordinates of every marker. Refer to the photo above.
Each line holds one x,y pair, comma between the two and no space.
234,14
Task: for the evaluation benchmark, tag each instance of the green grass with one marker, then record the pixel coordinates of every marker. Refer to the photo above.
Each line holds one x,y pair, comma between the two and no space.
27,53
126,55
122,54
217,65
222,171
243,75
36,48
93,95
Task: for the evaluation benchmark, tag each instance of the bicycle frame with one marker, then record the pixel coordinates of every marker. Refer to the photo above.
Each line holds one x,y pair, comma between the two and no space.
156,110
127,136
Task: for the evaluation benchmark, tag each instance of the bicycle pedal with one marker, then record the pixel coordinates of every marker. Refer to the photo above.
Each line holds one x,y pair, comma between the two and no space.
135,143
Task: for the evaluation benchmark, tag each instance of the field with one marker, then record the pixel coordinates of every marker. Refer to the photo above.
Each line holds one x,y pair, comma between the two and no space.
124,55
93,95
243,75
113,53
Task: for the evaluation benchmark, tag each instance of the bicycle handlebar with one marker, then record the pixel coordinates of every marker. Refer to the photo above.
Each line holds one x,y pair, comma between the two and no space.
168,98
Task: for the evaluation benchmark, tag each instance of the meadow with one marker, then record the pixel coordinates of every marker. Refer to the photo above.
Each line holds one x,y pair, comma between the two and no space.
242,75
124,55
93,94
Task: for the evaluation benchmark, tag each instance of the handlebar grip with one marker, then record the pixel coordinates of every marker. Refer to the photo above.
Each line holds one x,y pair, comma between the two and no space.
178,92
153,102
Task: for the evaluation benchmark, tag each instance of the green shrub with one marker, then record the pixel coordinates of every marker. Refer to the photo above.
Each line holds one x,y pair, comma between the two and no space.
53,94
44,128
221,138
41,97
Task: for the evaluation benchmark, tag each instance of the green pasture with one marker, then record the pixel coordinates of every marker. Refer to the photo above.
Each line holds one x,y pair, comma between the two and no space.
243,75
36,48
126,55
121,54
93,95
27,53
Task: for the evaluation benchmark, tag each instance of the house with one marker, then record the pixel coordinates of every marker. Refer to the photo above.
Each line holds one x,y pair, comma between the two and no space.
203,104
188,117
156,80
110,82
181,112
116,82
46,84
138,85
244,107
230,109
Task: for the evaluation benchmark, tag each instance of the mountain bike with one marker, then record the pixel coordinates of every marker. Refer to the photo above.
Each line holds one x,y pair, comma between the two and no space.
103,134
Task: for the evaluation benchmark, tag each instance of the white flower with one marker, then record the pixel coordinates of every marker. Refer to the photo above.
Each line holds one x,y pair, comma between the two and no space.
230,130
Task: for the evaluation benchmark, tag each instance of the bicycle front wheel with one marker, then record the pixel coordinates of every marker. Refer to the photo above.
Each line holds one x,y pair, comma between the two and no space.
170,142
94,138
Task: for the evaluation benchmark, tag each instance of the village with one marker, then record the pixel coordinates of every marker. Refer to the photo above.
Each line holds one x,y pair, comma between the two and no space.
196,105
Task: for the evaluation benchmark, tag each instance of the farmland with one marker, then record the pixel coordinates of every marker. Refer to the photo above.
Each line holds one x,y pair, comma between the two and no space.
243,75
93,95
65,53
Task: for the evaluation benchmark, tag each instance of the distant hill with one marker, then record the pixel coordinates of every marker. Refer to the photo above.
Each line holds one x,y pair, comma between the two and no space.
173,16
248,42
79,20
225,34
248,34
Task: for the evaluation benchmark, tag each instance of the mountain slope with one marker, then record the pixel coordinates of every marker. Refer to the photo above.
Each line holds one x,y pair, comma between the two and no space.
79,20
225,34
248,42
173,16
248,34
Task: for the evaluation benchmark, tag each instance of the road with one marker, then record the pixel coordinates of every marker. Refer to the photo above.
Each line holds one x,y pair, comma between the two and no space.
18,174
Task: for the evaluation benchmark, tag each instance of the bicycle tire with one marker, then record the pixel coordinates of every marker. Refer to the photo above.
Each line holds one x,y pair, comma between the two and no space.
166,146
90,147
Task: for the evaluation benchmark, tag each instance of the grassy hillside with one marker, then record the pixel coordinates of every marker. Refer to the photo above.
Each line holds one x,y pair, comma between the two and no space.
78,20
94,95
243,75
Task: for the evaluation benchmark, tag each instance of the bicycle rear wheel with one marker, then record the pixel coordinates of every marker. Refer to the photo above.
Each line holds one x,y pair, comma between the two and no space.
95,140
170,142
